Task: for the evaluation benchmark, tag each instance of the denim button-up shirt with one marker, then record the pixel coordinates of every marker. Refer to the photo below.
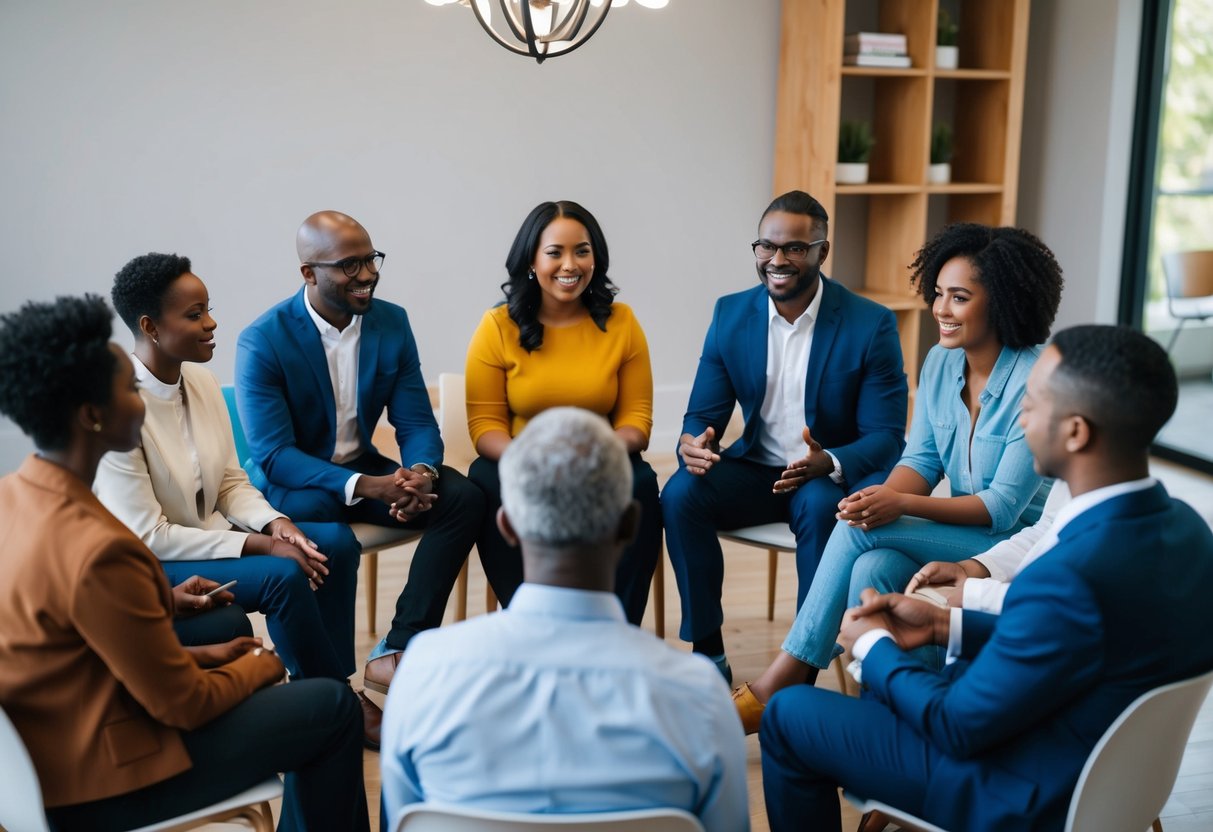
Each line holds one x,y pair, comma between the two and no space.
997,465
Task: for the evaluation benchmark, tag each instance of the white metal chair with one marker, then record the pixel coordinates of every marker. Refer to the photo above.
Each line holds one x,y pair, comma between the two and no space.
426,817
1129,773
1189,276
21,808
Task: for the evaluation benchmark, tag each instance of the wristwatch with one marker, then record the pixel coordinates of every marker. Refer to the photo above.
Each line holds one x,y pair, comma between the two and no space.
426,469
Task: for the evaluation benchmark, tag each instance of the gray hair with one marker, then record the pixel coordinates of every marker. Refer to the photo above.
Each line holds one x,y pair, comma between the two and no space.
565,479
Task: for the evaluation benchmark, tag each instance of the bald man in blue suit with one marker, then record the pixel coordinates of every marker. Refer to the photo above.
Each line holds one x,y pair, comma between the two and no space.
997,740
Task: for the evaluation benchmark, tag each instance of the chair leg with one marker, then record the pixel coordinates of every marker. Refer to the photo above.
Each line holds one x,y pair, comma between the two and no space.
372,588
841,673
490,599
1175,334
659,594
461,592
1157,825
772,572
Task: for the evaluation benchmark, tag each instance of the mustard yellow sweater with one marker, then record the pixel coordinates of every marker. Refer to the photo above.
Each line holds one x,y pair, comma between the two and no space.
579,366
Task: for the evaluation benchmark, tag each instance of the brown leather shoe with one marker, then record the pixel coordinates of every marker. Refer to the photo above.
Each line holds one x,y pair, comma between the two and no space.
378,673
873,821
749,709
372,719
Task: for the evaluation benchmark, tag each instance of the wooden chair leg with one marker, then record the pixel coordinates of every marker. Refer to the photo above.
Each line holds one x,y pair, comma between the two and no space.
659,594
461,592
841,673
490,599
1157,825
372,588
772,572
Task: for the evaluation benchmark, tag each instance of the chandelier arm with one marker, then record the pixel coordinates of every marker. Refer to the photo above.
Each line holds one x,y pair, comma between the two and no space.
534,46
484,24
571,25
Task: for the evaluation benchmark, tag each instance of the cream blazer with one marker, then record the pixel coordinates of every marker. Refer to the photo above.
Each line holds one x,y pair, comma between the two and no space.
151,488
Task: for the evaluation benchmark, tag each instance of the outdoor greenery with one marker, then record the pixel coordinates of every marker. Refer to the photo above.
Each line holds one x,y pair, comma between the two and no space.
855,141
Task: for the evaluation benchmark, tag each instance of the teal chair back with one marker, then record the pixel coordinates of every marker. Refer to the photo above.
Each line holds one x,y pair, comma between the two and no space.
242,451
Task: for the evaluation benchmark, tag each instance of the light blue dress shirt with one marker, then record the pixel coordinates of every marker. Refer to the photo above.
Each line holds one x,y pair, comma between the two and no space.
557,704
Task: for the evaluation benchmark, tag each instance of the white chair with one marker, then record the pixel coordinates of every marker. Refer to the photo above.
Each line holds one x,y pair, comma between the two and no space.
1189,277
1129,773
426,817
21,807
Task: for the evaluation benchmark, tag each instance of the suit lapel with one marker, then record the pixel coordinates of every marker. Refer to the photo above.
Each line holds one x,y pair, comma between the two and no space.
307,338
755,346
368,362
825,331
1152,500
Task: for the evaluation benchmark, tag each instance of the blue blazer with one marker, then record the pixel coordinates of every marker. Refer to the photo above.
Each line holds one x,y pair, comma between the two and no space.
286,402
1118,606
855,394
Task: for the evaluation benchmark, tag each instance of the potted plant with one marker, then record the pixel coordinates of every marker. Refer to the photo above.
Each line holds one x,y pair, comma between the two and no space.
947,55
940,170
854,147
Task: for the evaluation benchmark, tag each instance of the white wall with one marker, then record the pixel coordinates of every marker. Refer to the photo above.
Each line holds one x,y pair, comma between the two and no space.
212,129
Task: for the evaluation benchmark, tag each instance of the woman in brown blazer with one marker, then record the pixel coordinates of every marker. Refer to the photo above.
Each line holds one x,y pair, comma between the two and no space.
123,725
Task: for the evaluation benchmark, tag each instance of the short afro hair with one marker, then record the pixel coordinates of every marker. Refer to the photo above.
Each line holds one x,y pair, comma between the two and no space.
1120,380
140,286
55,357
1020,275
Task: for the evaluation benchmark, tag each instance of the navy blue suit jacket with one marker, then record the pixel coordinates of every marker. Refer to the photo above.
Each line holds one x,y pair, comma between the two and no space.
286,402
855,393
1115,608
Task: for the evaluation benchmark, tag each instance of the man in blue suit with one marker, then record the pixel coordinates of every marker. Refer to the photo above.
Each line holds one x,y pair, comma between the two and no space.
313,376
818,373
997,740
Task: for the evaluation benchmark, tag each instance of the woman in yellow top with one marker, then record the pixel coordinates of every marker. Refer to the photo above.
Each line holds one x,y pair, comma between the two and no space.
560,340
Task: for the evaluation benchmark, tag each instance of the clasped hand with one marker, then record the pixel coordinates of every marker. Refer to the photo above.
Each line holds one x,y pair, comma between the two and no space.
871,507
913,622
287,541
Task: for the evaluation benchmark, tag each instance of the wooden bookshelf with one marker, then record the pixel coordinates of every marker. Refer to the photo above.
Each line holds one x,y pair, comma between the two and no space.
982,100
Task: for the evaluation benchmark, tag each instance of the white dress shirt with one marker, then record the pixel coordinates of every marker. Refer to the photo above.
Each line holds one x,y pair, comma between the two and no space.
341,352
557,705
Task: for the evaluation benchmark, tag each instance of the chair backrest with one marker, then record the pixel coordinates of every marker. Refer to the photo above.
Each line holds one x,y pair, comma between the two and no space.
1131,770
428,817
1189,274
20,793
243,455
453,421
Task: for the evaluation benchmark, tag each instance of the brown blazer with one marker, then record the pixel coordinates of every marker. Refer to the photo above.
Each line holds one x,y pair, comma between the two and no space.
91,672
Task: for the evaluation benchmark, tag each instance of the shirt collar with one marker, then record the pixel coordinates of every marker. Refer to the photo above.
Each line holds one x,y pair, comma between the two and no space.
810,312
153,385
1000,376
326,329
562,602
1088,501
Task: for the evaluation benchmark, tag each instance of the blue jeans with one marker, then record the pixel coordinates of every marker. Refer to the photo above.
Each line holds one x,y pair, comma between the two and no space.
885,559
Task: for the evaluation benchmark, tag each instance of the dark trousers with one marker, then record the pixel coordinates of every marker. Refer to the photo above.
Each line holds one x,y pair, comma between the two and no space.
450,529
503,562
733,494
313,632
217,626
310,729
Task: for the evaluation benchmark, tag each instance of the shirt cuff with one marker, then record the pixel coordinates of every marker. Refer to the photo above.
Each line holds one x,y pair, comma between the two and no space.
836,475
350,485
955,618
864,643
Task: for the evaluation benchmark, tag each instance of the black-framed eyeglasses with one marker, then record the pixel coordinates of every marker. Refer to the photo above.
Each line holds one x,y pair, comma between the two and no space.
795,251
352,266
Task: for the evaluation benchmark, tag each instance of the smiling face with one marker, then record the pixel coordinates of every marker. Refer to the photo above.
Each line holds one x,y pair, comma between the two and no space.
788,282
564,262
332,294
185,330
961,307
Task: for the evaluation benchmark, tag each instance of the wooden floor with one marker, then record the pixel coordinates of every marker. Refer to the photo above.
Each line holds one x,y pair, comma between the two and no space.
752,641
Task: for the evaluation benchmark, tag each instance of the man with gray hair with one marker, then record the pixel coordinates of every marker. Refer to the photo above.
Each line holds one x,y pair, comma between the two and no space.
557,704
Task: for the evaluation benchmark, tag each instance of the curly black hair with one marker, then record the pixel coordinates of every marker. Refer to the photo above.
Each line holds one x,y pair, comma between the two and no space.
1021,277
523,295
1120,380
140,285
55,357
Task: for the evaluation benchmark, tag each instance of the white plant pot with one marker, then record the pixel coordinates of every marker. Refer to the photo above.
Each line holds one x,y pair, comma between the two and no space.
947,57
851,173
940,174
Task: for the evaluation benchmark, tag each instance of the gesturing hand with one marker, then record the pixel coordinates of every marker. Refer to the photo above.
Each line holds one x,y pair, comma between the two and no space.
876,505
816,463
699,452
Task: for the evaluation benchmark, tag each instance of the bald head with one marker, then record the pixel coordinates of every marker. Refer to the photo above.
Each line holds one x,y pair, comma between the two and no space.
325,231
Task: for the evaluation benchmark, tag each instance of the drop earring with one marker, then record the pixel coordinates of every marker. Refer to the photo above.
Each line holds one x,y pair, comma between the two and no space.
531,276
96,427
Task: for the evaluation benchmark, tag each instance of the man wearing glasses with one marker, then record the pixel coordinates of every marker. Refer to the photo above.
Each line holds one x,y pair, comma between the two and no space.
313,376
818,373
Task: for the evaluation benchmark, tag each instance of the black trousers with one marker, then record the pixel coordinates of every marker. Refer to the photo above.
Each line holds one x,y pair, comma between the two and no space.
450,529
503,562
216,626
310,729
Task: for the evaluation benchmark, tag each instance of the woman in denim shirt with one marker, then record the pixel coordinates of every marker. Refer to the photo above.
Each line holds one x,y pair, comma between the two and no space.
994,293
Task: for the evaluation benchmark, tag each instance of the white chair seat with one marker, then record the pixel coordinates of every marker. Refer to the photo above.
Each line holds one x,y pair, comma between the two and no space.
769,536
375,538
236,806
427,817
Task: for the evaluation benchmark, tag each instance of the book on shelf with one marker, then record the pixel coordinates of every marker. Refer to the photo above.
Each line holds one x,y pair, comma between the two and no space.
875,42
887,61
